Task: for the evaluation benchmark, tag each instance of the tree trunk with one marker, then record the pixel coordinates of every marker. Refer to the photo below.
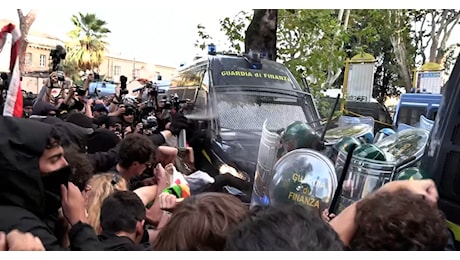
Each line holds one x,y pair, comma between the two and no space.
25,22
401,57
261,33
395,18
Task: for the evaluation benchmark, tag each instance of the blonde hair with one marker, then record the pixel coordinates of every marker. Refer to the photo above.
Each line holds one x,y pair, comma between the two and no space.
101,186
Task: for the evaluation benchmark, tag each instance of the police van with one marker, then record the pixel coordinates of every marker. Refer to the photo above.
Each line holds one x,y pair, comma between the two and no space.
230,97
414,107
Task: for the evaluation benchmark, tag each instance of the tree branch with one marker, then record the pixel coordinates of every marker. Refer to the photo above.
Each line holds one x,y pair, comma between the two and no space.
419,38
446,35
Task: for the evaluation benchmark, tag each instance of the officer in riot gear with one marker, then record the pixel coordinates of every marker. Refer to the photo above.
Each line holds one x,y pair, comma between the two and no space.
299,135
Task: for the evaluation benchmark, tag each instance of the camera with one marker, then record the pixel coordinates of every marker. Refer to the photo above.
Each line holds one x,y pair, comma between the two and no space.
152,89
80,91
57,55
150,122
173,102
123,81
130,110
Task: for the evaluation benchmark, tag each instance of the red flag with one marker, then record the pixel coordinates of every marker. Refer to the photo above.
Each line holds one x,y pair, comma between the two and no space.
13,102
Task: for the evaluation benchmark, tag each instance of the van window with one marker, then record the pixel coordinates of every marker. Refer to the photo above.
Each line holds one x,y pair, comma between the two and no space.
186,83
410,115
201,102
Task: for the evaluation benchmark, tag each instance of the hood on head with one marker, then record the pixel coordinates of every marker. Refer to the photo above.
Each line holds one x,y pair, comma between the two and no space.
27,102
102,140
43,108
22,143
82,121
72,135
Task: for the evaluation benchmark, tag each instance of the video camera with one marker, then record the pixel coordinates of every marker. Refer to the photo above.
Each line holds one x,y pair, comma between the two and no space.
123,86
173,102
57,55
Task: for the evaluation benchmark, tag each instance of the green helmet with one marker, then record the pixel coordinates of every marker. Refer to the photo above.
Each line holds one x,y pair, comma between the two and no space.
345,143
412,173
369,151
300,135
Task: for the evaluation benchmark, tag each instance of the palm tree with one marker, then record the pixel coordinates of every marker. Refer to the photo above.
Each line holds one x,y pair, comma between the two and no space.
87,47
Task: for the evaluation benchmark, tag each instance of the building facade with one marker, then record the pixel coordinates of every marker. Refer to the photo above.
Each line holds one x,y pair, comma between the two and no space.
38,63
115,65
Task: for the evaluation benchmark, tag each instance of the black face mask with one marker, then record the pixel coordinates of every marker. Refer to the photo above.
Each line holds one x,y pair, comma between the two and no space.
52,183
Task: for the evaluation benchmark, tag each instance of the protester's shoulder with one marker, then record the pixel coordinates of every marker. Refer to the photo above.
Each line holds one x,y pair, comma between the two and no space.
12,217
121,243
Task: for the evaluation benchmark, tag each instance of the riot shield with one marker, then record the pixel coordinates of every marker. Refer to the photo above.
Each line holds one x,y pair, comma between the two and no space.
305,177
360,131
268,151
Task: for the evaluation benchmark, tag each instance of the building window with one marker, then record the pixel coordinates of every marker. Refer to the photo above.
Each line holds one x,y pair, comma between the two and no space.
116,70
42,61
28,59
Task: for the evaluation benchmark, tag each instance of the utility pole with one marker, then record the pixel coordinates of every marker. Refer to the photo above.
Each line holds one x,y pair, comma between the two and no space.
134,69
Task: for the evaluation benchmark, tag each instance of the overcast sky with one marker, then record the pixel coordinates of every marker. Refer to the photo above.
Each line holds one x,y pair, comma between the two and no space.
158,35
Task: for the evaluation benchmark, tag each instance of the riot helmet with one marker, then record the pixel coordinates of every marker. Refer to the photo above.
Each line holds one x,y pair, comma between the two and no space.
300,135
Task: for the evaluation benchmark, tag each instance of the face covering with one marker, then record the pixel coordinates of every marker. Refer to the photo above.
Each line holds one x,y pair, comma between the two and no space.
52,183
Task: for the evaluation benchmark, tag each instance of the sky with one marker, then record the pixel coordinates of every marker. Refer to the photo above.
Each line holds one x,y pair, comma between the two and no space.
156,35
164,32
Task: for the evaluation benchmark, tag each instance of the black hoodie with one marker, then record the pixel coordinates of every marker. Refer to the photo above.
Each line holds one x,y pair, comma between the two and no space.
73,134
42,108
113,242
22,195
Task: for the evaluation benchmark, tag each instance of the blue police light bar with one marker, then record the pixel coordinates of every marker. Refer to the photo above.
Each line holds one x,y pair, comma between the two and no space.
253,58
212,49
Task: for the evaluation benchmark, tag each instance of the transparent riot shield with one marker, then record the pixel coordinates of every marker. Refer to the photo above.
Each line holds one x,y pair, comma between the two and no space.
305,177
268,151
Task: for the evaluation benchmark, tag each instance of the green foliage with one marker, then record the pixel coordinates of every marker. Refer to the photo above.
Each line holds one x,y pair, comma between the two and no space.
315,44
204,38
235,28
370,31
310,44
87,48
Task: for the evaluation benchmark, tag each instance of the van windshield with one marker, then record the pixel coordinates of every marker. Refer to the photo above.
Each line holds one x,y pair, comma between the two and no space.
248,111
410,115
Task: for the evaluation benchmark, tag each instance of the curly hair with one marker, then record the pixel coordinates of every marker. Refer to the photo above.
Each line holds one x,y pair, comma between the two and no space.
136,147
78,161
400,221
201,223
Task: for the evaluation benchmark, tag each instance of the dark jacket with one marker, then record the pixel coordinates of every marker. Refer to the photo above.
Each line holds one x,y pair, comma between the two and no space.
23,204
113,242
104,161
